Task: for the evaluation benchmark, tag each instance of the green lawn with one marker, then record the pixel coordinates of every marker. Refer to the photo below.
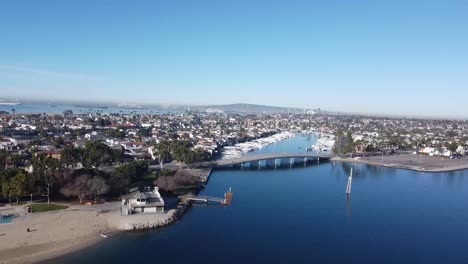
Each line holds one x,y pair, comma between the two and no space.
39,208
151,176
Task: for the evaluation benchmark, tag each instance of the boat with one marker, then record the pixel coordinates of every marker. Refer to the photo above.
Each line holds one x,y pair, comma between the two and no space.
7,102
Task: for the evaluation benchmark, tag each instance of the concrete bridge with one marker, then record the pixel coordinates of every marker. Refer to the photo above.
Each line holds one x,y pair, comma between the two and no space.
271,160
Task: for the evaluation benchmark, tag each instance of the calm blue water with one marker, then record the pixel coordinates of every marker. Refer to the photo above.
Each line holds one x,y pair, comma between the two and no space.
301,215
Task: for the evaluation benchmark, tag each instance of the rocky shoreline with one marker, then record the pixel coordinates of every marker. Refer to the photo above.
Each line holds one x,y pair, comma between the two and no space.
142,222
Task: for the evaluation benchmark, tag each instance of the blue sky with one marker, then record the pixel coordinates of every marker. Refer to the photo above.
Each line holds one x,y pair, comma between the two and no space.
402,57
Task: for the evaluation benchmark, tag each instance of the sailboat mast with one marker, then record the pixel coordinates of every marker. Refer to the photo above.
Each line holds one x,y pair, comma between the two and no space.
350,181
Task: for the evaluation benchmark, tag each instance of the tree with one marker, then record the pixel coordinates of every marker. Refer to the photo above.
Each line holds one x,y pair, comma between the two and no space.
349,143
6,190
162,151
119,181
46,169
180,149
172,182
70,156
452,146
5,176
370,148
197,155
124,176
17,160
97,186
18,186
79,187
344,143
3,159
97,153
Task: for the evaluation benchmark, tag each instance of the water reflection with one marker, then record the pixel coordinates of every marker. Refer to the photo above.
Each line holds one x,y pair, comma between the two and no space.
359,171
348,207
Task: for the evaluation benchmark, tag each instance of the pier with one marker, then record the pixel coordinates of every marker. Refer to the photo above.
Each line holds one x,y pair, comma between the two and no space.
227,200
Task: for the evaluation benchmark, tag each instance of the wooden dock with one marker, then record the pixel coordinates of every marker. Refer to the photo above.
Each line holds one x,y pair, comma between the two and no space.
227,200
228,197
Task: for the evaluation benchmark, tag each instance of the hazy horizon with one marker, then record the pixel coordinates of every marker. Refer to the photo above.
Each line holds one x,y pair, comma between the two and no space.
388,58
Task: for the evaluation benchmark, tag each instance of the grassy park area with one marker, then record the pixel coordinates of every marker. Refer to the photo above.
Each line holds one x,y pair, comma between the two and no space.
40,208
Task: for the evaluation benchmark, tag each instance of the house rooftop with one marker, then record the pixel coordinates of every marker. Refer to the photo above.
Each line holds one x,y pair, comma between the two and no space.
152,197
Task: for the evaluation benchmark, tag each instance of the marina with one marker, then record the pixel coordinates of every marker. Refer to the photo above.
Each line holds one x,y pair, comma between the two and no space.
324,143
241,149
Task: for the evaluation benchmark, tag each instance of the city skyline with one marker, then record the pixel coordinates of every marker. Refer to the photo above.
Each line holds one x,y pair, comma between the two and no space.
362,57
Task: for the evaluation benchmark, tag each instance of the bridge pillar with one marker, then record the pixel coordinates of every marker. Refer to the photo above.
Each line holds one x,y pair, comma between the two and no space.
259,164
318,160
305,161
254,165
270,163
291,162
284,162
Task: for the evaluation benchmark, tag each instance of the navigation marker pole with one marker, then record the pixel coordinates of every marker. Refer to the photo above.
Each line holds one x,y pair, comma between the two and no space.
350,181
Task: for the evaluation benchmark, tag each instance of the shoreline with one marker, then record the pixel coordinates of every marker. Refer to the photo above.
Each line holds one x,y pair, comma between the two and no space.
79,229
82,225
402,166
46,256
45,243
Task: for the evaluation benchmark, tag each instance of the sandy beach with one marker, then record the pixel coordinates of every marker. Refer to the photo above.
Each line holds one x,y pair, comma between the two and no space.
52,234
58,233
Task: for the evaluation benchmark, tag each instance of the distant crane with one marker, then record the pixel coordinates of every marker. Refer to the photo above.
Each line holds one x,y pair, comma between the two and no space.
350,181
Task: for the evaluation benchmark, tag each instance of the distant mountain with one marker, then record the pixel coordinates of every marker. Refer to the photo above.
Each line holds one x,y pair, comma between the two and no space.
254,109
231,108
234,108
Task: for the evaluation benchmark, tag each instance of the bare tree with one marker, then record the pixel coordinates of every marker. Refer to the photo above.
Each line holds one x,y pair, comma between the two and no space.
171,183
97,186
79,187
